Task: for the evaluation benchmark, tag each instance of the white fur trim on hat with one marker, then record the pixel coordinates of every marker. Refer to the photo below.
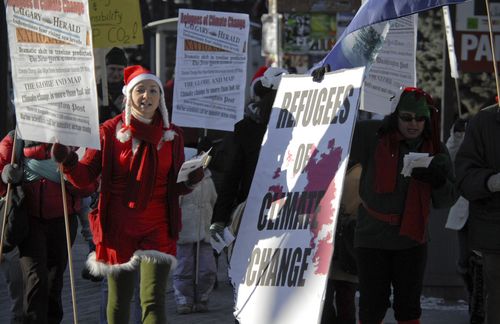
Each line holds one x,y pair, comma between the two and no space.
124,134
98,268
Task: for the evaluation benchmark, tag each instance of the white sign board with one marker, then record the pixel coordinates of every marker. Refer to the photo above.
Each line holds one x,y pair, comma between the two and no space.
210,69
283,249
472,38
393,68
53,72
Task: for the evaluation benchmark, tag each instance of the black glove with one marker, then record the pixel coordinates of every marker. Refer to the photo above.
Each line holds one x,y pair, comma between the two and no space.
12,174
319,73
195,176
63,154
435,174
459,125
60,152
216,229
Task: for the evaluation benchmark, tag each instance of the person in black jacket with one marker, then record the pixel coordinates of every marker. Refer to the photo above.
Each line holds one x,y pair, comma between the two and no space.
244,147
478,174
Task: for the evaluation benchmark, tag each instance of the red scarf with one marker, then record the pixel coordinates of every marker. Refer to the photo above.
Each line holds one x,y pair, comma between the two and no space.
418,198
142,176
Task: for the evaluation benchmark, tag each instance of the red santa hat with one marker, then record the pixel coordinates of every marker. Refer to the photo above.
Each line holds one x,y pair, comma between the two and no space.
132,75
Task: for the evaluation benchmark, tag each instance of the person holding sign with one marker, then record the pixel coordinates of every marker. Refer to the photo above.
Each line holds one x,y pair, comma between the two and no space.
244,147
137,221
391,230
43,253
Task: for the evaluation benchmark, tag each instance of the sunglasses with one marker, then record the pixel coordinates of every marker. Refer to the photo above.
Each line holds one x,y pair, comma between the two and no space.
408,118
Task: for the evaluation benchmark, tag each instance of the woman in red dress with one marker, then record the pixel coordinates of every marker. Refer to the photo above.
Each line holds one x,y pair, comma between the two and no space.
137,221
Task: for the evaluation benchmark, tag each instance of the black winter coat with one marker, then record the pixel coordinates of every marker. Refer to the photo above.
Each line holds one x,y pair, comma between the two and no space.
477,159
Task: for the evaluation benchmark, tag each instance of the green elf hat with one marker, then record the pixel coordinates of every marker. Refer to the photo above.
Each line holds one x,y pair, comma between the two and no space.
415,100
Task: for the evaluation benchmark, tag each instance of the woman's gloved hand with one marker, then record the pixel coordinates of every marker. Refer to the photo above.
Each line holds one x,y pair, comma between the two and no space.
12,173
435,174
63,154
195,176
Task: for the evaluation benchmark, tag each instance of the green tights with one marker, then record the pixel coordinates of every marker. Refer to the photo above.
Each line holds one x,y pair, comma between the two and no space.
153,288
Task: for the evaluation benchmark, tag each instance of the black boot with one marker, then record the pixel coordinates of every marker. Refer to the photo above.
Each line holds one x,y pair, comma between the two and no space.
476,305
86,270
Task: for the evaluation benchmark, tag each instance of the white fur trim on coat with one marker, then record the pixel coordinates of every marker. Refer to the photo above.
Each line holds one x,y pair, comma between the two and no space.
98,268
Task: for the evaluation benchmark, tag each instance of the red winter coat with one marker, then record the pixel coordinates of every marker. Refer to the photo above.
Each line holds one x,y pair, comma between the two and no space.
97,163
43,197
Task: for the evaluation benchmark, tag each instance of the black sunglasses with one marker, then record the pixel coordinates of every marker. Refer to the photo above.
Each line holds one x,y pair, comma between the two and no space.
408,118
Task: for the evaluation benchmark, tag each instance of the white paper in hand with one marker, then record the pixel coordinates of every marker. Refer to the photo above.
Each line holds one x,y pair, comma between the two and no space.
415,160
223,241
193,164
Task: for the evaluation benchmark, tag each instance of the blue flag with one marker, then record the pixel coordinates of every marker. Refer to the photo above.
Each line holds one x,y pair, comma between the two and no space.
361,40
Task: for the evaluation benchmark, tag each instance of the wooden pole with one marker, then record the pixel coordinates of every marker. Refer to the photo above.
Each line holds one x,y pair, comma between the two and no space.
492,44
68,245
8,198
459,104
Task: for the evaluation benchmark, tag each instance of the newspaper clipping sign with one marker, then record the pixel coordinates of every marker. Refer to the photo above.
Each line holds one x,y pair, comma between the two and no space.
210,70
53,71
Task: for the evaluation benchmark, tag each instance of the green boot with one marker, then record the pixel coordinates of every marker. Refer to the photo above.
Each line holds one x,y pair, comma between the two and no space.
120,292
153,290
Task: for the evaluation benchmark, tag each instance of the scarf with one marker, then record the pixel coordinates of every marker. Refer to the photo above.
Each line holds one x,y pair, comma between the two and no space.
417,205
142,175
36,169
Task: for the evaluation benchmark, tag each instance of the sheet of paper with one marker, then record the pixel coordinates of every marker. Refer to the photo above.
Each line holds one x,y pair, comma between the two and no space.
415,160
201,160
223,241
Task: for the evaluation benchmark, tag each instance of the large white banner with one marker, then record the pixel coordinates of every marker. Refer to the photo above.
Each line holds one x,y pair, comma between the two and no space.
53,71
210,69
393,68
282,253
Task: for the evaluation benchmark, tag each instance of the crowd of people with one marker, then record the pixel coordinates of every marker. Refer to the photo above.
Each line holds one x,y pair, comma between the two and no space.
131,207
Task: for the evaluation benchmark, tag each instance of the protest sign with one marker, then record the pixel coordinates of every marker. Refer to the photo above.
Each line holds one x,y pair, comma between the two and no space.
115,23
394,66
472,35
53,71
283,249
210,69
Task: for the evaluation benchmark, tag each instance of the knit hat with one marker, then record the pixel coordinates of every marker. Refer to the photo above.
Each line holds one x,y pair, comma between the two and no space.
413,100
418,101
132,76
265,80
116,56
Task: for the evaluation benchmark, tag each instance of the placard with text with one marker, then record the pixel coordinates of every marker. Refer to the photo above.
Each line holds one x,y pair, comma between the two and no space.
210,69
53,77
281,258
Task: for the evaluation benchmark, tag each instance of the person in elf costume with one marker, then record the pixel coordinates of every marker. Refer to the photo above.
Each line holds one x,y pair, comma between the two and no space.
136,224
391,231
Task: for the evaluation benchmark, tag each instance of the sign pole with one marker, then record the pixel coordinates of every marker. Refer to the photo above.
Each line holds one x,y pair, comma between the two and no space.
68,245
492,41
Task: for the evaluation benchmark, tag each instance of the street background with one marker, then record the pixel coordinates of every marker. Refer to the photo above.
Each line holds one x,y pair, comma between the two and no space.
88,295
